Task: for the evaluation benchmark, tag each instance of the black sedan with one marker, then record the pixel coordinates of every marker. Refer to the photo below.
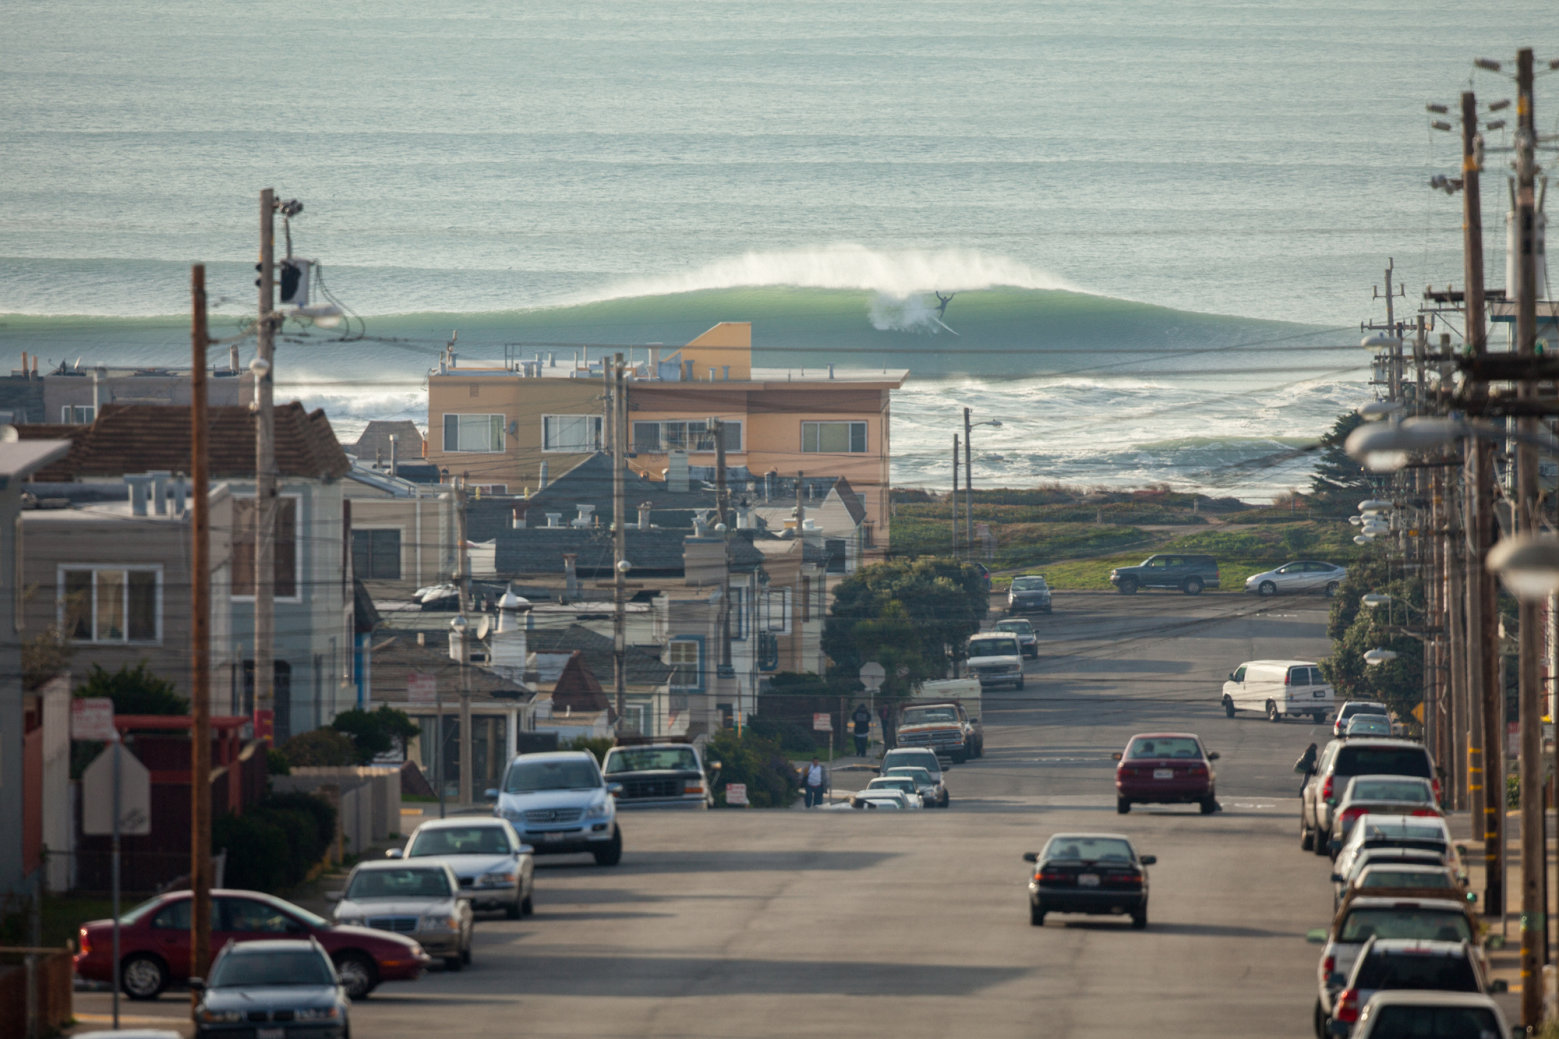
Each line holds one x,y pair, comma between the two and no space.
279,989
1094,873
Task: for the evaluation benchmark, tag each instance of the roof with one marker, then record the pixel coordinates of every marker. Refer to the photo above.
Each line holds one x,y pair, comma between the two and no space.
19,458
138,438
540,550
590,483
852,501
395,658
641,668
375,440
578,690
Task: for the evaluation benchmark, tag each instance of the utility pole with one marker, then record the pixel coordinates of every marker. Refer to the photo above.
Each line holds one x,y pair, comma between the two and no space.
265,479
1534,924
955,496
200,642
619,541
968,485
723,511
465,794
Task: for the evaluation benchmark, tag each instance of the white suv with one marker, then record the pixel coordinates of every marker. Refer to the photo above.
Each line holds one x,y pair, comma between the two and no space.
559,802
996,658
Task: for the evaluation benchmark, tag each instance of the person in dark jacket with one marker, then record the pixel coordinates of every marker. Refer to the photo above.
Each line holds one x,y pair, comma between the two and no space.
862,721
1305,766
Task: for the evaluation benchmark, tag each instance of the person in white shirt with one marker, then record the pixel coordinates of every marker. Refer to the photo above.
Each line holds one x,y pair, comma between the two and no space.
816,781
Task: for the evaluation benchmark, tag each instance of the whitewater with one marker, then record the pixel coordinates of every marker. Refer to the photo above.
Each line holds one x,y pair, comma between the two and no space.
1160,224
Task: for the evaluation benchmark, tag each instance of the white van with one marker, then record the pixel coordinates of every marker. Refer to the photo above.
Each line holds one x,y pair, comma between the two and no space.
1278,688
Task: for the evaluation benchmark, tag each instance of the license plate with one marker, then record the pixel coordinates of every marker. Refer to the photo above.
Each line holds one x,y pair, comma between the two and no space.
1163,773
1319,694
270,1033
553,836
1088,880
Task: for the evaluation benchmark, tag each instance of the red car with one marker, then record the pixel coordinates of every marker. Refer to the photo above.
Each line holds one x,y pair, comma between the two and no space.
1165,768
154,942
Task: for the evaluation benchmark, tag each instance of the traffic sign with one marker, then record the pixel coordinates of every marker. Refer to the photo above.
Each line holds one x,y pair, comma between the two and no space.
823,722
421,688
872,674
736,793
135,795
92,718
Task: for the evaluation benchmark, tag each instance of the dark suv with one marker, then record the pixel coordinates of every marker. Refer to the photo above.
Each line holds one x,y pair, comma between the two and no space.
1340,762
1190,574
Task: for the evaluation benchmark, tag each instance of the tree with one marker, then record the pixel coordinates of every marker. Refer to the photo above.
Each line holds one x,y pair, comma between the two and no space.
319,748
375,732
910,615
756,761
1356,629
134,690
1339,482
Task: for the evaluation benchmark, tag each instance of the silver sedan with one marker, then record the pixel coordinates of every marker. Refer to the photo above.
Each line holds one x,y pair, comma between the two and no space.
1302,575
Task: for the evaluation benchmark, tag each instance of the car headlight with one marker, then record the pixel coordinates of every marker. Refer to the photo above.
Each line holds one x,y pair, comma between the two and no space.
221,1017
492,879
441,922
348,918
329,1013
600,810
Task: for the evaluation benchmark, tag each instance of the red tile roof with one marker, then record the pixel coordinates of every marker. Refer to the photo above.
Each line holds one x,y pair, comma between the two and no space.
137,438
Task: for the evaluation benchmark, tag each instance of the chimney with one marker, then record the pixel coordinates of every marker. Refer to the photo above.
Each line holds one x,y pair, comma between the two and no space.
180,494
159,480
99,390
644,514
518,522
571,574
726,372
139,485
232,358
395,453
677,479
583,519
830,371
554,519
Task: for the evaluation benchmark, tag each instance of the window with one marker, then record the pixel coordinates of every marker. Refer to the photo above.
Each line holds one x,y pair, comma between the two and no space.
285,553
480,433
77,414
684,435
833,437
111,604
737,624
376,554
571,432
776,611
684,654
174,918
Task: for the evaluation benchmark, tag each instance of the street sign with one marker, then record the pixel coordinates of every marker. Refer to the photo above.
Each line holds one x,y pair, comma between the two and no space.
135,795
92,718
872,674
421,688
736,793
822,723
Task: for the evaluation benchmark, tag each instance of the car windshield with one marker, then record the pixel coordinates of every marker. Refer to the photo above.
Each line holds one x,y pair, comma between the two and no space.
1387,879
1441,925
409,882
923,759
1413,969
1358,707
903,783
919,775
526,777
1016,627
273,967
459,840
1406,760
1397,1021
1088,849
1369,725
1164,747
992,647
1028,584
650,759
1414,791
921,715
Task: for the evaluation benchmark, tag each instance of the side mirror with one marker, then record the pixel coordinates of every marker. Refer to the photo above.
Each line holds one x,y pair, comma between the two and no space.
393,853
1472,898
1316,936
1212,755
490,794
876,768
1116,756
197,984
1031,856
334,896
525,849
1499,985
1461,849
1336,878
614,789
1232,678
1147,860
1494,941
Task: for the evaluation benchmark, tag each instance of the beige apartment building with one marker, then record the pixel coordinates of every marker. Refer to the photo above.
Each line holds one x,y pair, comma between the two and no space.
506,427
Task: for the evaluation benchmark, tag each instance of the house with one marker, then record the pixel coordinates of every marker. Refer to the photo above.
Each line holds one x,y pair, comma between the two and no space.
577,706
314,593
27,728
510,426
73,395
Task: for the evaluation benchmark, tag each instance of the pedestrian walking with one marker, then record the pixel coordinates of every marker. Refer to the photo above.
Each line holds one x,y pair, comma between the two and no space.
862,719
1305,766
814,783
887,727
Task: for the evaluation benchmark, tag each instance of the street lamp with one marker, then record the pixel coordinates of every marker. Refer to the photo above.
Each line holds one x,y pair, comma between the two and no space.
969,476
1527,565
1375,657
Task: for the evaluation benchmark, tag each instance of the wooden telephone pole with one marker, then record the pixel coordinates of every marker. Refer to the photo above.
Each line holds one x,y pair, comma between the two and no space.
200,643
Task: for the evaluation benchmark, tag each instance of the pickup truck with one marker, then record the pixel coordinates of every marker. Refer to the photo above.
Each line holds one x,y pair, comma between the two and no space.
944,727
663,774
996,658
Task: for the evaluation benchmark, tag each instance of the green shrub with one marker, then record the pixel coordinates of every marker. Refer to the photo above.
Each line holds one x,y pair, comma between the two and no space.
596,745
276,763
320,748
757,761
273,845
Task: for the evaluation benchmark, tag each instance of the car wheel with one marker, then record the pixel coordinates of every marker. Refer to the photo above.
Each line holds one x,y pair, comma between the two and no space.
1331,589
612,854
143,976
1122,806
1267,589
1228,706
946,799
1209,804
1128,586
1322,839
359,976
1320,717
1036,916
1319,1020
528,905
453,963
465,953
513,910
1020,685
1272,711
1306,837
1139,918
1192,586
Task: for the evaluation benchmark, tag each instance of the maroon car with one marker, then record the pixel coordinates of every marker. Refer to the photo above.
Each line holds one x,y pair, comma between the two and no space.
1165,768
154,942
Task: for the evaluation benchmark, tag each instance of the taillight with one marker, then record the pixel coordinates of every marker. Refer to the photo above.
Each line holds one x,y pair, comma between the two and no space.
1426,811
1052,877
1351,814
1435,785
1326,789
1328,964
1198,770
1122,880
1347,1008
86,942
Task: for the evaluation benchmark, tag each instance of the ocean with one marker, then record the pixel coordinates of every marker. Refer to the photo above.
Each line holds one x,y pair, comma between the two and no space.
1161,223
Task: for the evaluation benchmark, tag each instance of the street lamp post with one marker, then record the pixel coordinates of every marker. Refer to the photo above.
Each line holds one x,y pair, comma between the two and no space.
969,477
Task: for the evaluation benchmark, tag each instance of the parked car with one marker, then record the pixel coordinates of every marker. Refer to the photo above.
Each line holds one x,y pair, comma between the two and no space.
559,802
894,800
1028,639
273,989
1029,593
154,942
1385,795
1165,768
1362,918
659,775
903,784
1408,1013
917,757
494,867
417,898
1420,880
1278,689
1350,708
1339,762
1302,575
1388,964
944,727
1368,725
1387,855
1089,873
1415,833
933,792
1189,574
996,659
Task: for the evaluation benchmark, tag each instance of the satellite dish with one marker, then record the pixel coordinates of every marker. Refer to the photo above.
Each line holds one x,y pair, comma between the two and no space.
9,435
483,626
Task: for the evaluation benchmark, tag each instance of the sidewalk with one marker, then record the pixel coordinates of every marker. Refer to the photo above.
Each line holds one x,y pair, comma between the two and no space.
1504,962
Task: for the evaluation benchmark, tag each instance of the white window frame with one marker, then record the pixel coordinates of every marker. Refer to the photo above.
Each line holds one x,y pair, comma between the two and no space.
78,414
298,539
495,422
682,676
121,568
811,436
692,429
594,437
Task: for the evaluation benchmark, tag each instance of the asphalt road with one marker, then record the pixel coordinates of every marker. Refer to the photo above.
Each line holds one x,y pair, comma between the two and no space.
799,923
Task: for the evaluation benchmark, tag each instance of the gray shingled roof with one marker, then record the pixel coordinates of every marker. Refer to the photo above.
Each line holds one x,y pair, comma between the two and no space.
641,668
